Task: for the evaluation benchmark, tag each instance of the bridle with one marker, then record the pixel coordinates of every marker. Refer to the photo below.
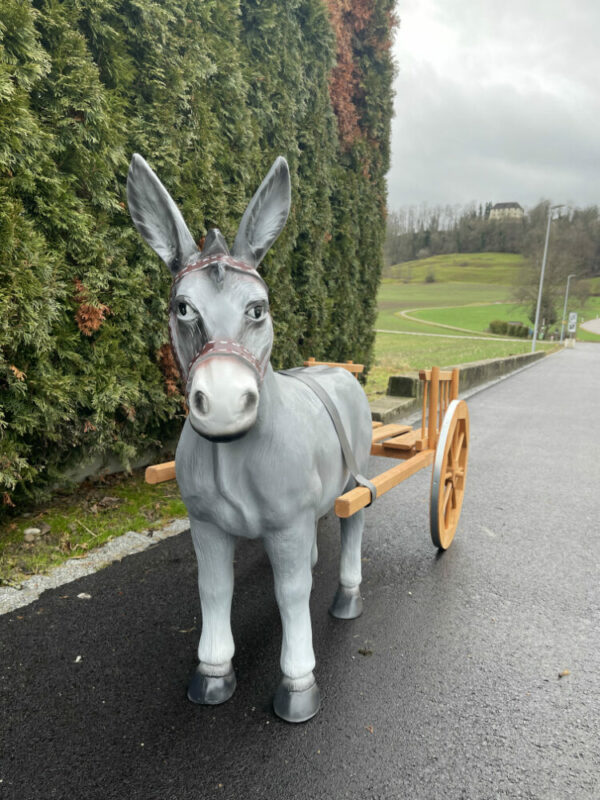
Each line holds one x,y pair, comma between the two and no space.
215,347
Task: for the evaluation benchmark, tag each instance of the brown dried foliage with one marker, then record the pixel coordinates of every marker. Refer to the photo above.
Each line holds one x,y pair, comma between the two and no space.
168,367
89,318
350,19
344,79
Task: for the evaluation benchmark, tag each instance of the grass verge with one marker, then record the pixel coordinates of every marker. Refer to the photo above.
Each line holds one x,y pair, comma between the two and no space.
88,517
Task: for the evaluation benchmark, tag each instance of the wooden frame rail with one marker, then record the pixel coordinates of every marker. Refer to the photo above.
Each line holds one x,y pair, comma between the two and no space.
440,387
355,369
348,504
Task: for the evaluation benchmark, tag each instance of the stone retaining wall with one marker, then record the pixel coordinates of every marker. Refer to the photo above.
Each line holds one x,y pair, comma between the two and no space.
404,392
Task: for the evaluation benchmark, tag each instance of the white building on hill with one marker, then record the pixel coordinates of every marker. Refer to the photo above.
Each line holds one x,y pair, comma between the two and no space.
503,211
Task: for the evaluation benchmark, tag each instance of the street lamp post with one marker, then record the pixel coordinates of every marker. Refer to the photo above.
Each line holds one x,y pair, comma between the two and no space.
539,300
562,327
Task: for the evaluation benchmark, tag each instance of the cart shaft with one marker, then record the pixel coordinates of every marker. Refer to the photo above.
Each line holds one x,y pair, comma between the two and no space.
348,504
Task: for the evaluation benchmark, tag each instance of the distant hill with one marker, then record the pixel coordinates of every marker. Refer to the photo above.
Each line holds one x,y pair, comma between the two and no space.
497,268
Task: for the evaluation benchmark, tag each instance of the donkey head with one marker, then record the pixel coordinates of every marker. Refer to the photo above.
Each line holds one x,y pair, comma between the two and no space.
219,321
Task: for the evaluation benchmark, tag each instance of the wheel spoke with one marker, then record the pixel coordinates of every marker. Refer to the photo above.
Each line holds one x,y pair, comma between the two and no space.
450,507
447,494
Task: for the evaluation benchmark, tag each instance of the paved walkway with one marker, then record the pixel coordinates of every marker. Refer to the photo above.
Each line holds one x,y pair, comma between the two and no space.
447,688
450,335
592,325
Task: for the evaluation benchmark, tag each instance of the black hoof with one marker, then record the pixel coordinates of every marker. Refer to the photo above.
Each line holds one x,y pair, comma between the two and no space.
208,690
296,706
347,603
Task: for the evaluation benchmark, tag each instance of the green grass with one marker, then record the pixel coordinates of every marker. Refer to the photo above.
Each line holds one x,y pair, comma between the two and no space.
86,518
479,268
469,291
397,353
475,318
591,310
400,296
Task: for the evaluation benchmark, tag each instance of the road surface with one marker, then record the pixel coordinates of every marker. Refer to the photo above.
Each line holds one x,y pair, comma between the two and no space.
456,693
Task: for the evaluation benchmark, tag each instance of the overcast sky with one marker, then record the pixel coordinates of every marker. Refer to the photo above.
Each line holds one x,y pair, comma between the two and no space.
496,100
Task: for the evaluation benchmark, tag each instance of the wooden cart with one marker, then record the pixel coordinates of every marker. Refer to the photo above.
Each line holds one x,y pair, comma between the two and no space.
442,440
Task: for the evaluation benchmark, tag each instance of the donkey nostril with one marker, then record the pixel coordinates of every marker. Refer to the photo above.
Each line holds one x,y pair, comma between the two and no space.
249,401
201,402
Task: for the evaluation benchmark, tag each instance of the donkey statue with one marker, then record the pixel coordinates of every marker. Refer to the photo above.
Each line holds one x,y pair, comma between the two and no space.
259,455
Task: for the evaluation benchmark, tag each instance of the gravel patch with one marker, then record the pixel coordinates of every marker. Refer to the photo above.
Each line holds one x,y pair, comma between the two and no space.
125,545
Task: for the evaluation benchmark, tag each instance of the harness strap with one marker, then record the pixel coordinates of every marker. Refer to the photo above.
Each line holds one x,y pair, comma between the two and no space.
300,374
226,347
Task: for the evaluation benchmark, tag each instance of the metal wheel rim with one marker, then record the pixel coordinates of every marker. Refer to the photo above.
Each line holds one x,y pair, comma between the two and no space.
449,474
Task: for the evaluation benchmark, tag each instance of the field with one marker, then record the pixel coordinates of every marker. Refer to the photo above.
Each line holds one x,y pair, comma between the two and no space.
491,268
444,321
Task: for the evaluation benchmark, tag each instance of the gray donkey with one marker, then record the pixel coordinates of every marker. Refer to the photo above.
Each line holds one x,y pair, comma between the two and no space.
259,455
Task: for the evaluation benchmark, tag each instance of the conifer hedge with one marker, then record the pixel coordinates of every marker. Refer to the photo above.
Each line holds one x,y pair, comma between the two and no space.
209,91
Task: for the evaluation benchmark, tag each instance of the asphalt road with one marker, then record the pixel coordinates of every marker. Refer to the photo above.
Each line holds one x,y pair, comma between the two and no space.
460,698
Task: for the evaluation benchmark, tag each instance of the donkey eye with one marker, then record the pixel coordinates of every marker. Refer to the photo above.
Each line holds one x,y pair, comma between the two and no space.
185,311
257,311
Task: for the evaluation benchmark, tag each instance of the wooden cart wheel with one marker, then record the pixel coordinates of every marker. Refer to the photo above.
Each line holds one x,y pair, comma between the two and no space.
449,474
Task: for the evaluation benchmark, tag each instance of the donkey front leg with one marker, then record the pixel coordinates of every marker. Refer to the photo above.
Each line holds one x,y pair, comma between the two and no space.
297,698
214,679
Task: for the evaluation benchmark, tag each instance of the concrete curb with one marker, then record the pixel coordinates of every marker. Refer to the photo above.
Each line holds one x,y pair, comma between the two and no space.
125,545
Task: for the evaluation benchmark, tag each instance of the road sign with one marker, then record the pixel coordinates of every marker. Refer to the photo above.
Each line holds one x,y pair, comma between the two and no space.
572,328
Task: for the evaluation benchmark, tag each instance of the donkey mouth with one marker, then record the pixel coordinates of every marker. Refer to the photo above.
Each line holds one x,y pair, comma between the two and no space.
226,437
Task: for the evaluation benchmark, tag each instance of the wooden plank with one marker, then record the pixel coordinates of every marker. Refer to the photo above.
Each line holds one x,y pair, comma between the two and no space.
445,375
433,406
422,443
355,369
376,424
160,472
387,431
348,504
380,449
455,379
405,442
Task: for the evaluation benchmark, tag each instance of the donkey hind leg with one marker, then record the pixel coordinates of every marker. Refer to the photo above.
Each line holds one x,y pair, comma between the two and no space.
214,679
347,603
297,698
314,553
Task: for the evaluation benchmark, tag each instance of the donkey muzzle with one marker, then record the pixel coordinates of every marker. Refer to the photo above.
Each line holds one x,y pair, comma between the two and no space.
223,392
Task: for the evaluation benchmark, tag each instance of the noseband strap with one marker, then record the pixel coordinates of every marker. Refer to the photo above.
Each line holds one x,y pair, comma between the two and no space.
225,347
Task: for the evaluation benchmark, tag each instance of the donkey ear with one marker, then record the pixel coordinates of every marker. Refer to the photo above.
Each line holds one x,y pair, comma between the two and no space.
265,216
156,216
